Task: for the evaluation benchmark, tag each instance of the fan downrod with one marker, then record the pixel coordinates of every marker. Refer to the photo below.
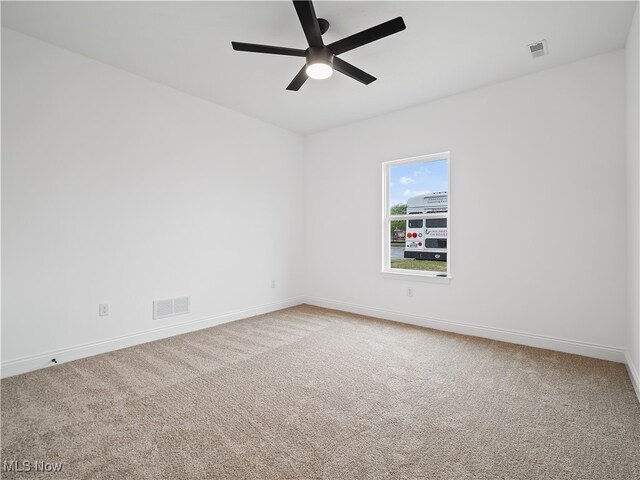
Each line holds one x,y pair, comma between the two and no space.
324,25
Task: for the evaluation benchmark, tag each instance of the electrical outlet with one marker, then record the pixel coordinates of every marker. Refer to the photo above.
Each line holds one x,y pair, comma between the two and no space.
103,309
409,291
273,284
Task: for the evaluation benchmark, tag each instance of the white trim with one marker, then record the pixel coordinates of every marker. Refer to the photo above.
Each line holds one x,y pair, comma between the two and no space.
511,336
35,362
387,217
431,157
633,374
408,275
418,216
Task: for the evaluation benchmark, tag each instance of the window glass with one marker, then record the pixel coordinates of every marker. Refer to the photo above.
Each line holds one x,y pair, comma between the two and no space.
421,188
436,223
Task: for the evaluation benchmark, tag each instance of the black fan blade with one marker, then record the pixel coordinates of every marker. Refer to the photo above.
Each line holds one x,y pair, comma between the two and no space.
367,36
351,71
298,80
309,22
254,47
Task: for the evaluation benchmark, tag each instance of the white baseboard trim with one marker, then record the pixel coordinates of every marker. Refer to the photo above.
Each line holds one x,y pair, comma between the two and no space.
511,336
35,362
633,374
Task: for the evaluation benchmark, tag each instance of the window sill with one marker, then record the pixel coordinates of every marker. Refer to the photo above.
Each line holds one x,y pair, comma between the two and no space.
420,277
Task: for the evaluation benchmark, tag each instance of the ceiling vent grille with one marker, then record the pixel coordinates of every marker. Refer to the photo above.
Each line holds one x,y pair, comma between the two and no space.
538,49
171,307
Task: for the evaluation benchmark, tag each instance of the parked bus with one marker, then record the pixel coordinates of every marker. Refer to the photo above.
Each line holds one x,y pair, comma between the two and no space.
426,238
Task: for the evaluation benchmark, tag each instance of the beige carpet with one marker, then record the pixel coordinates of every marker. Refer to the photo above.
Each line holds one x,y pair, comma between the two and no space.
309,393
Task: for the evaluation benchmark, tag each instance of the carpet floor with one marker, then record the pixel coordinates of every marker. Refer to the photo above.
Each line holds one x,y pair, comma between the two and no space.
309,393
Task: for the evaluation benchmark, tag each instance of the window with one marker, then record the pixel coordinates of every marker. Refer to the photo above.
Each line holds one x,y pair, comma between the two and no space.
416,216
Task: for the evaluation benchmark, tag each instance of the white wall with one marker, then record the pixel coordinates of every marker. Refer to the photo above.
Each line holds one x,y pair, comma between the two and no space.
120,190
538,210
633,199
117,189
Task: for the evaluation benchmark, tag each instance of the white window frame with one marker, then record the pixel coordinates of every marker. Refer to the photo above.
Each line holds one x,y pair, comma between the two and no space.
387,271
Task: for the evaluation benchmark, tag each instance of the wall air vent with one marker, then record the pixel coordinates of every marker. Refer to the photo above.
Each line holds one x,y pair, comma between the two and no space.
171,307
538,49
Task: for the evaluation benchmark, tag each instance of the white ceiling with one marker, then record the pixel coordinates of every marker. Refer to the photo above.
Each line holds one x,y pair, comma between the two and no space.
448,47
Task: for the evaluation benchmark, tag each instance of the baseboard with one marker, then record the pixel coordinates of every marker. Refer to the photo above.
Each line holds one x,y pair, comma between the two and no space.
511,336
633,374
35,362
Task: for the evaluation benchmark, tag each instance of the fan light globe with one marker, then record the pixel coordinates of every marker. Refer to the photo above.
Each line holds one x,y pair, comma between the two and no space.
319,70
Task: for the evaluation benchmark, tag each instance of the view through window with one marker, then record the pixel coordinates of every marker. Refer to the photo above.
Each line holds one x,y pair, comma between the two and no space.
417,215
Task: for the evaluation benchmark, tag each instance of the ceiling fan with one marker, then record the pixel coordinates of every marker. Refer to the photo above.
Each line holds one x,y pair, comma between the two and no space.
321,59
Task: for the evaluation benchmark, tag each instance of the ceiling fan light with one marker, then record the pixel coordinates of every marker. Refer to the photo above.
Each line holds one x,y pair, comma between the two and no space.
319,70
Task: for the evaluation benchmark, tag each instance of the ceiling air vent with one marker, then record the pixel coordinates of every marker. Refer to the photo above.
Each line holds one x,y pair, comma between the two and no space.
538,49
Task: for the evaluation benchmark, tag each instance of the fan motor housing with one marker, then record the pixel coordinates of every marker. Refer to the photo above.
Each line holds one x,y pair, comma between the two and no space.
319,55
